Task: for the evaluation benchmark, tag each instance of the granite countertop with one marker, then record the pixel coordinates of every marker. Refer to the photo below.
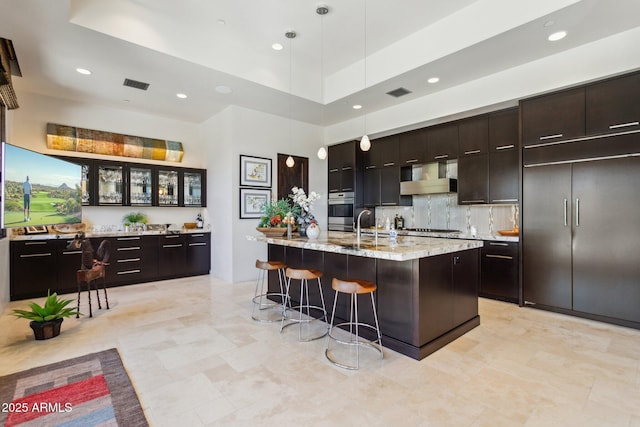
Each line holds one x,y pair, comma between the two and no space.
462,235
406,248
50,236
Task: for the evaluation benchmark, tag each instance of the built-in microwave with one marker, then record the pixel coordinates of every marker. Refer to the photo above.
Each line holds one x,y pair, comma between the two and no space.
341,211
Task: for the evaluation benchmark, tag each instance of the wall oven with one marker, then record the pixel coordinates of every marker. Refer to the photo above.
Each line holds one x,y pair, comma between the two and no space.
341,211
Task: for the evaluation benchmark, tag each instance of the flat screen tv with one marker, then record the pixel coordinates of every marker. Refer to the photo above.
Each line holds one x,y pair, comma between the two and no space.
38,189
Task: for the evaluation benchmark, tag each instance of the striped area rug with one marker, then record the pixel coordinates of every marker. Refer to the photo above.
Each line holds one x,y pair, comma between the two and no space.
92,390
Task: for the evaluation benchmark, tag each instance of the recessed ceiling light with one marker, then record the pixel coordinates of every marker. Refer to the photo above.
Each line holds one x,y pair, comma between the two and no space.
277,46
433,80
557,36
223,89
357,107
83,71
549,23
181,95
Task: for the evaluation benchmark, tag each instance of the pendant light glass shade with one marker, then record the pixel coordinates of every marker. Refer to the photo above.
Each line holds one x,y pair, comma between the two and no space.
322,153
290,162
365,144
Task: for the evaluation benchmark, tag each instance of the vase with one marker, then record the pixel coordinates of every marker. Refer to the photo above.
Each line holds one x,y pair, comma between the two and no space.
46,330
303,231
313,231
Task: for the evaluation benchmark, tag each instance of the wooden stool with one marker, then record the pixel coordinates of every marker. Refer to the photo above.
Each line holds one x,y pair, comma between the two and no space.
261,297
88,276
305,308
353,287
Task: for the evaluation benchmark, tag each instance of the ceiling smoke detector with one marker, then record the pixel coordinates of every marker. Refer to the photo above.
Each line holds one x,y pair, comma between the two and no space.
322,9
136,84
397,93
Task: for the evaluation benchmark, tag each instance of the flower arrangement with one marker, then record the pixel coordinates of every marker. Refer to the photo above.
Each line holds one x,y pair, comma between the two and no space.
304,202
277,214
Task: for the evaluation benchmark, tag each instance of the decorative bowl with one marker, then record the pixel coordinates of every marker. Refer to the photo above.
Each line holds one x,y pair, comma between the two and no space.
272,231
189,225
513,232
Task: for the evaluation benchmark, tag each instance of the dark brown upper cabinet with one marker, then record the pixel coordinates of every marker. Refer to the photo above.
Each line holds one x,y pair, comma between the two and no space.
342,167
473,136
503,130
442,142
413,147
613,105
554,117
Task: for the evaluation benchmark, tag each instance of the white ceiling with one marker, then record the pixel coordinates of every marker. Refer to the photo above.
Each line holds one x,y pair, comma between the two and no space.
182,47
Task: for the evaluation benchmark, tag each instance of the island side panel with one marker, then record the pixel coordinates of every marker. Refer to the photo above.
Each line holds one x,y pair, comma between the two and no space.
397,311
466,281
436,298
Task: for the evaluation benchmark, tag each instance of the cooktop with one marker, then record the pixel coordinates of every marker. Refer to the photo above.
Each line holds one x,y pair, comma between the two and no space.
432,230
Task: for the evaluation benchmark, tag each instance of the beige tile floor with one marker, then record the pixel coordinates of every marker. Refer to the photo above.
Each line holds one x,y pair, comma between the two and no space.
196,358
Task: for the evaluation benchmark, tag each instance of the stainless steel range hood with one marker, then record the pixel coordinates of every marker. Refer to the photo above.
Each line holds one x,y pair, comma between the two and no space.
431,178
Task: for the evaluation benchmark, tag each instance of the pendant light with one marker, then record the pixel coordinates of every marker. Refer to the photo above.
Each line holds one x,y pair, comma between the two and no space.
322,10
290,35
365,143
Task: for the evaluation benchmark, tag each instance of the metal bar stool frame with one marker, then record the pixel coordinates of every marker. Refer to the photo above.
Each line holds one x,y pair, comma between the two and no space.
260,295
304,275
357,287
89,277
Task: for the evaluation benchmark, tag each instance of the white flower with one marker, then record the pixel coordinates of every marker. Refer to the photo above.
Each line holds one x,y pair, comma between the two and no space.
300,198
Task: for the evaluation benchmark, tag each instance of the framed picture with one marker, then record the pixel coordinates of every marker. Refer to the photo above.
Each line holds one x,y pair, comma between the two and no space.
252,202
36,229
255,171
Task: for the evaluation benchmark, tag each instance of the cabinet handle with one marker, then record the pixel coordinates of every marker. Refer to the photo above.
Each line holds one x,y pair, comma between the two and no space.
498,244
129,260
566,208
441,156
346,168
411,161
504,200
577,212
172,236
130,248
35,255
370,167
473,201
557,135
347,189
34,243
389,204
197,244
499,256
197,235
172,246
505,147
389,164
128,238
624,125
129,271
71,252
333,170
471,152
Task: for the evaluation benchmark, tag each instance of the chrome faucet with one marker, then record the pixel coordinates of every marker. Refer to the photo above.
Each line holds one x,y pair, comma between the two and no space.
365,211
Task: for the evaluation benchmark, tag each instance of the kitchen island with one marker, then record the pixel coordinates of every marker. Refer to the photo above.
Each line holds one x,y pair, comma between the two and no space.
427,287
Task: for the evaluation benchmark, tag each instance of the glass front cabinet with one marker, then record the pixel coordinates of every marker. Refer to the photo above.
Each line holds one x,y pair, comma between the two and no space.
168,187
110,184
140,186
107,183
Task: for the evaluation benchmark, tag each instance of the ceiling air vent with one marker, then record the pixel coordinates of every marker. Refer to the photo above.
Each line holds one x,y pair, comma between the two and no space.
136,84
399,92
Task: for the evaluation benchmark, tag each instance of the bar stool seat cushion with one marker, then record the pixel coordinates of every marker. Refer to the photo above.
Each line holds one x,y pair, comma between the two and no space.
303,274
269,265
353,286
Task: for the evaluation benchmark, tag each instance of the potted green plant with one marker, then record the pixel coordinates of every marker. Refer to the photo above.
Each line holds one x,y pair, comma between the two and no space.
46,320
134,218
272,221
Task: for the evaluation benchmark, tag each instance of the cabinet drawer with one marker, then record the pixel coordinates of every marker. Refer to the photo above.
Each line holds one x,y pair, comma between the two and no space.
500,248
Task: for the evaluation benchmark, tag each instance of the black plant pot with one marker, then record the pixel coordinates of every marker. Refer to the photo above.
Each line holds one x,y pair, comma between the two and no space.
46,330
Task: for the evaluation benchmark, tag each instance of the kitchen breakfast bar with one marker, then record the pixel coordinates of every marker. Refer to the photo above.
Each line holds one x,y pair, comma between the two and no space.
427,292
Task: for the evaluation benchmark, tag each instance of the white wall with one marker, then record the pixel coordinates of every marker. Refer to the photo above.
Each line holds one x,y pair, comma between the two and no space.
241,131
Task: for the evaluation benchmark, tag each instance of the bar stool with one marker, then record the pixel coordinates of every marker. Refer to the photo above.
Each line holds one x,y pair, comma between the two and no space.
305,307
353,287
88,277
261,296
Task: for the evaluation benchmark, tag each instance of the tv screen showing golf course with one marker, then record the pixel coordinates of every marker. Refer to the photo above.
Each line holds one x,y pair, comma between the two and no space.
38,189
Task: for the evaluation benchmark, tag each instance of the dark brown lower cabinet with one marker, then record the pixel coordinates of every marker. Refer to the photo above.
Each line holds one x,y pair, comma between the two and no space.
422,304
580,238
499,271
39,265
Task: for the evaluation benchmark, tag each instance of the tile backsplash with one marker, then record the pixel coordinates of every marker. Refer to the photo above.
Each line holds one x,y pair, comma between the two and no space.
442,211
